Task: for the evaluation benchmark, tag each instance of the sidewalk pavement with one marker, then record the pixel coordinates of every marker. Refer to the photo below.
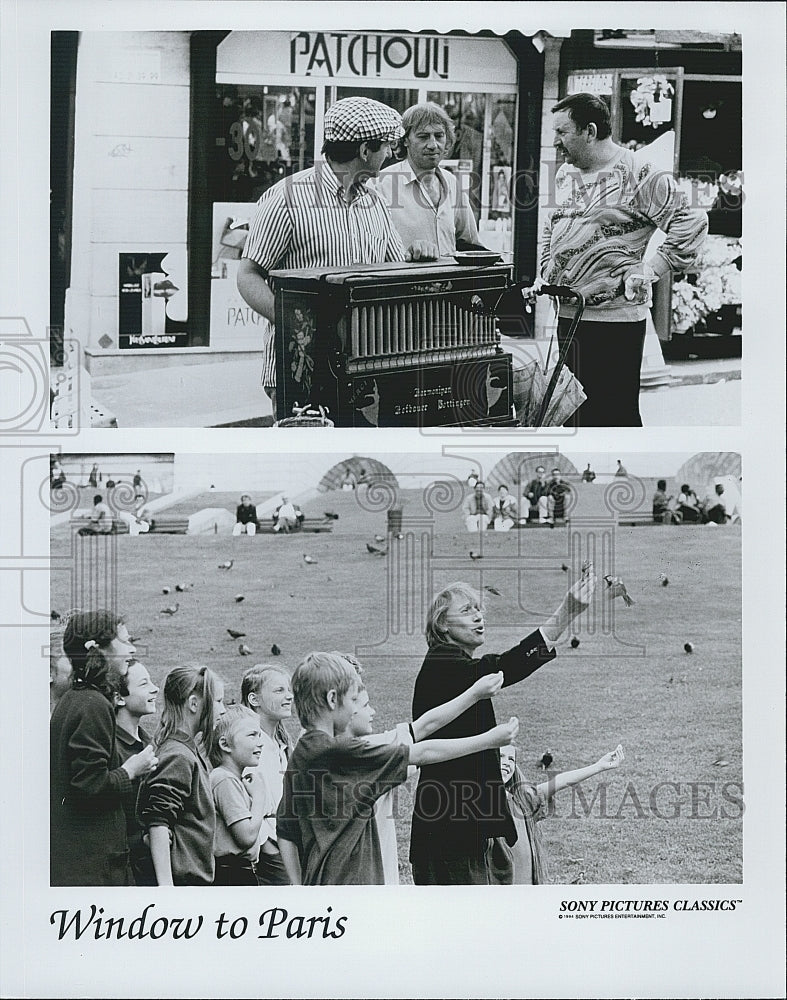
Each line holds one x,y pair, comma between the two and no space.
700,393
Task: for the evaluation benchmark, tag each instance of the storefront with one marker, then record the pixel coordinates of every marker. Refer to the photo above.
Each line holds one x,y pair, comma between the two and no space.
272,91
177,134
680,94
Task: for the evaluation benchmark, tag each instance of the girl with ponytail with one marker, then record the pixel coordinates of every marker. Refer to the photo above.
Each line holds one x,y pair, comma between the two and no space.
175,803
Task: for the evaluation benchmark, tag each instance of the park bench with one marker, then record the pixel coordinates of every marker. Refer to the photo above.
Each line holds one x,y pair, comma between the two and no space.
309,524
637,519
118,527
169,526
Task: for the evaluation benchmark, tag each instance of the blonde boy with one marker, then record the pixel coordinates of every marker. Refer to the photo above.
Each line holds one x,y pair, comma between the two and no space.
326,828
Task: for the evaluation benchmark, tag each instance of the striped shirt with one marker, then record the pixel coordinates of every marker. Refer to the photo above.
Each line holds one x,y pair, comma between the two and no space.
304,221
602,226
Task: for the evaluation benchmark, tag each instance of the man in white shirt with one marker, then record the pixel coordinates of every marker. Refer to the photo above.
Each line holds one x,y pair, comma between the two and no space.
286,517
425,201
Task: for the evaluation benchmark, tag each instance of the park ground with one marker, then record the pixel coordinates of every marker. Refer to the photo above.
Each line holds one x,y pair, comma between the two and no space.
672,813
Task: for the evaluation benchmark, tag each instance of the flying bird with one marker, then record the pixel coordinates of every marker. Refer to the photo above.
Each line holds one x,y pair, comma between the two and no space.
564,567
275,651
616,588
493,590
55,616
475,555
171,610
545,760
574,642
330,515
183,587
687,646
244,650
721,762
309,560
374,550
226,565
239,598
664,580
236,635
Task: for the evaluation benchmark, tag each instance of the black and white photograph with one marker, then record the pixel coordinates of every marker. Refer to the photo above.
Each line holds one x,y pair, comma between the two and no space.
396,229
373,433
401,596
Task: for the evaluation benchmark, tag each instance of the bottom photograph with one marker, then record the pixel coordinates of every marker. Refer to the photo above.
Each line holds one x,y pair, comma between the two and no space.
502,668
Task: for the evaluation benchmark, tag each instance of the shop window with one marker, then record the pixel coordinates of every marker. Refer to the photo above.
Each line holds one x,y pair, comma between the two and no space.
483,157
262,134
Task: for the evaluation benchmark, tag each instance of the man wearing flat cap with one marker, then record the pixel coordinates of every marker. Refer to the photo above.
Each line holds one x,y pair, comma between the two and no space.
326,216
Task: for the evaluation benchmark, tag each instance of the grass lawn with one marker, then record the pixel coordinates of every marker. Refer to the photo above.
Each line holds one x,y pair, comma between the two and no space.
628,682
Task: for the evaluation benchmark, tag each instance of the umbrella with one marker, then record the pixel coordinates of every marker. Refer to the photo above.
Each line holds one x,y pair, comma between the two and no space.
544,397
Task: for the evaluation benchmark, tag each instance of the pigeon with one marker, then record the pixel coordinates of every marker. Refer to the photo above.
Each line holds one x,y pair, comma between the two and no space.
545,760
564,567
275,651
244,650
373,550
379,538
330,515
475,555
400,536
687,646
239,598
183,587
664,580
493,590
165,590
55,616
309,560
721,762
171,610
226,565
236,635
574,642
616,588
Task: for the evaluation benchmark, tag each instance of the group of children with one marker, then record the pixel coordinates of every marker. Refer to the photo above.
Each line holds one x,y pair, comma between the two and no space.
219,796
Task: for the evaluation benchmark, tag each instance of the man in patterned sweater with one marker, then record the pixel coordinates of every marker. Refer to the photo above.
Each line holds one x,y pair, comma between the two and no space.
609,202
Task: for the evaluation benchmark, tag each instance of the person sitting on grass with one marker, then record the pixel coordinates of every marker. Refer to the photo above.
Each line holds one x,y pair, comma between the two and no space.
287,517
101,520
528,804
715,507
688,505
237,745
407,733
326,827
245,517
662,512
504,511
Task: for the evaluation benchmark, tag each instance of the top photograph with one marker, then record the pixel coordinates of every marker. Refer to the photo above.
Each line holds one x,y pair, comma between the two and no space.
339,228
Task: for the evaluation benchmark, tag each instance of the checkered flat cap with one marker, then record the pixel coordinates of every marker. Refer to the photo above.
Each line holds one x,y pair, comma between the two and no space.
355,119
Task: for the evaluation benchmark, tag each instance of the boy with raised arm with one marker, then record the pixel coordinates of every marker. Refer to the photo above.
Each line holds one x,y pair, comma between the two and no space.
325,825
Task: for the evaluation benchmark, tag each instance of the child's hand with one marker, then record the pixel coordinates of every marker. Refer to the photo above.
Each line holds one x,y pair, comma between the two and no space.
506,733
487,686
581,594
612,759
141,763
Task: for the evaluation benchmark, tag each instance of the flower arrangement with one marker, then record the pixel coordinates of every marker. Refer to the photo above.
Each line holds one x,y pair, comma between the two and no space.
718,283
649,92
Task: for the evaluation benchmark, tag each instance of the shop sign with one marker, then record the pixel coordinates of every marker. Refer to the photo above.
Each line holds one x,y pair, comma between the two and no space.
335,53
